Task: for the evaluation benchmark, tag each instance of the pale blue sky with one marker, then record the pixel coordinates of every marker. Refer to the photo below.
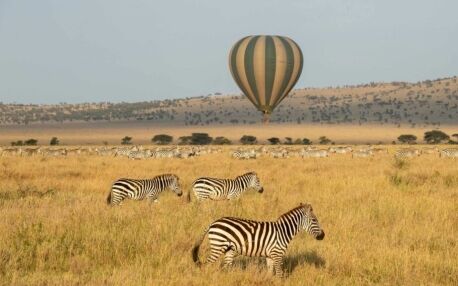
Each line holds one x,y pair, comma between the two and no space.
110,50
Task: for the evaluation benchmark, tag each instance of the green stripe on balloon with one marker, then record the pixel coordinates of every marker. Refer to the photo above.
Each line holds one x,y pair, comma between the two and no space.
270,67
249,68
235,72
288,72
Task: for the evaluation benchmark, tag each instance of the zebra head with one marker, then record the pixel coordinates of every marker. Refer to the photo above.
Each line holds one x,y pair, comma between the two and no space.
254,182
310,223
175,185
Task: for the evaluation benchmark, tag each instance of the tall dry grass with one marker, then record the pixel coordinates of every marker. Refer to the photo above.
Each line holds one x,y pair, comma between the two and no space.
385,222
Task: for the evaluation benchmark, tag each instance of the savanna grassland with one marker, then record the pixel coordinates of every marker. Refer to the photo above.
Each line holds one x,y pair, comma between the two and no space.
386,222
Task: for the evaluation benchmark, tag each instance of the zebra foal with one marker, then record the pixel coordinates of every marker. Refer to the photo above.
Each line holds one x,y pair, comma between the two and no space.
225,189
235,236
143,189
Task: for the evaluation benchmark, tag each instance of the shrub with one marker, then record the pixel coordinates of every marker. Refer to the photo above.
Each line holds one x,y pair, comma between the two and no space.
324,140
201,139
17,143
126,140
274,140
306,141
162,139
435,137
185,140
288,141
248,140
54,141
31,142
407,138
298,141
222,141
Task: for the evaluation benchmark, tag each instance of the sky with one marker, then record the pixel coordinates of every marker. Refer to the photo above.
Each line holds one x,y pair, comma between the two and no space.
54,51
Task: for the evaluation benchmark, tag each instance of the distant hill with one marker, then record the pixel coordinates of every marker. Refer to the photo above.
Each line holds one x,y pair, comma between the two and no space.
422,104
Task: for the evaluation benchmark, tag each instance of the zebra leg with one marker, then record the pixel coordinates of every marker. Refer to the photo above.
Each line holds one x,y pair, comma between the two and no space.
215,253
278,266
270,265
229,258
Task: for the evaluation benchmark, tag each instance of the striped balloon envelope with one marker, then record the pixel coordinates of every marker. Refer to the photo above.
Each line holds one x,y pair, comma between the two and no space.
266,68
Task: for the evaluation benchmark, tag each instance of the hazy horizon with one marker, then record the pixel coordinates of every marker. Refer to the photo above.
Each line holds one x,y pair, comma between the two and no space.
97,51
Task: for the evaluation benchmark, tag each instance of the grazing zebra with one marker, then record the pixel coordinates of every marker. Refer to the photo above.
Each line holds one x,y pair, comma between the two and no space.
165,153
125,151
140,154
236,236
406,153
279,154
241,154
141,189
361,154
225,189
314,153
449,152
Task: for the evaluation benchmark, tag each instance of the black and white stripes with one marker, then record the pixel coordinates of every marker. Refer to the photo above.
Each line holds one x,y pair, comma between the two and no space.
143,189
236,236
225,189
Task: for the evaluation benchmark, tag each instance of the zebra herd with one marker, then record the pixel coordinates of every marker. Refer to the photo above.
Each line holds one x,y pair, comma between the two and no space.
228,235
140,152
131,152
360,152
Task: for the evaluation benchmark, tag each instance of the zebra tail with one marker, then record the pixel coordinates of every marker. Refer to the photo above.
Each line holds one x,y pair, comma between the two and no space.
109,199
189,196
195,249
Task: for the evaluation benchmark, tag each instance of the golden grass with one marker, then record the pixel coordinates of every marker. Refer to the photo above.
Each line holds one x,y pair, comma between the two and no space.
385,223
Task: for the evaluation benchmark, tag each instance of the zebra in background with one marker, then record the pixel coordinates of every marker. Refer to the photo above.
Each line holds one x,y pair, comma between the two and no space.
449,152
236,236
362,154
165,153
242,154
125,151
140,154
224,189
314,153
406,153
143,189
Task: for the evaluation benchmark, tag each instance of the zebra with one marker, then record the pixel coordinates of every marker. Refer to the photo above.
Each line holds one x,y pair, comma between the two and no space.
279,154
429,150
225,189
361,154
241,154
140,154
138,189
449,152
406,153
125,151
165,153
235,236
314,153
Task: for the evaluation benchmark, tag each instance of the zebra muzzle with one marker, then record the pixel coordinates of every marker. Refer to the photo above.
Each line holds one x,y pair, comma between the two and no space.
261,190
320,236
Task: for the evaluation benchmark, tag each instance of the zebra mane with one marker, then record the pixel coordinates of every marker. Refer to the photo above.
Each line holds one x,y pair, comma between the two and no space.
168,176
246,174
296,209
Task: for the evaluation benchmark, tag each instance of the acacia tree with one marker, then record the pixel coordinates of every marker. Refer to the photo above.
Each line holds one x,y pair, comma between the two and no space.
54,141
126,140
162,139
248,140
324,140
435,137
274,140
407,138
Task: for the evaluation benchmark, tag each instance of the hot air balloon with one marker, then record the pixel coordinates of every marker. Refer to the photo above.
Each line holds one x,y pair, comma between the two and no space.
265,68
